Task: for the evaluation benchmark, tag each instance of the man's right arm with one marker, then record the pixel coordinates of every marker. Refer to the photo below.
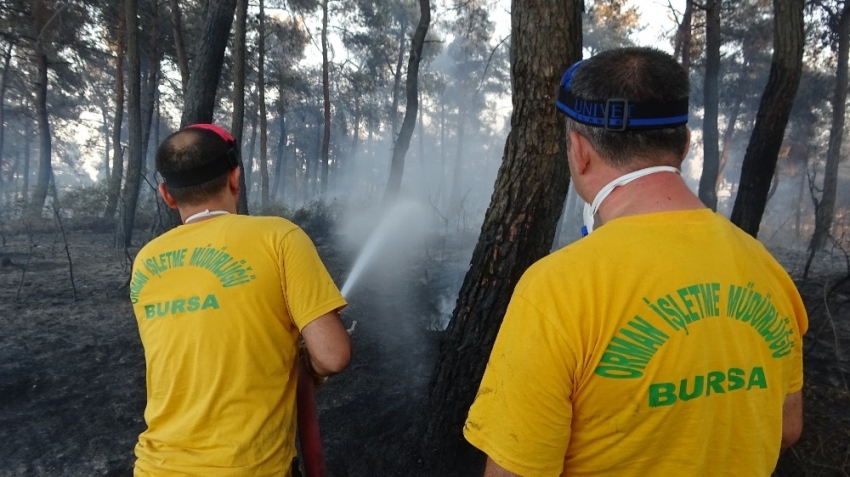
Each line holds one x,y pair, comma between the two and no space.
792,419
328,344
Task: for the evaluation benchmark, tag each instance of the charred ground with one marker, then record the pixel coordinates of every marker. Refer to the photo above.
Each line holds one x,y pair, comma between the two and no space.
72,369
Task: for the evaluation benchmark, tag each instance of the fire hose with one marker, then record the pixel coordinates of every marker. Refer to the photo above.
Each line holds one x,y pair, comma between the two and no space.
312,453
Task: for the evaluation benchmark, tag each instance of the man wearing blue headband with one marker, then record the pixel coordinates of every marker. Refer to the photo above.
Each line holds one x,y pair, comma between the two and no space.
221,302
665,342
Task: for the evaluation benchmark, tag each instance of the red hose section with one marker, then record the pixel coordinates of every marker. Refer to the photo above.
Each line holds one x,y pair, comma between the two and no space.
308,425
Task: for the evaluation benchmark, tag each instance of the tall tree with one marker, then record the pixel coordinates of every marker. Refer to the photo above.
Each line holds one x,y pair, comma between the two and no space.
402,143
180,45
684,35
825,207
4,80
519,225
134,119
775,108
239,62
114,185
326,98
41,15
264,127
206,67
711,105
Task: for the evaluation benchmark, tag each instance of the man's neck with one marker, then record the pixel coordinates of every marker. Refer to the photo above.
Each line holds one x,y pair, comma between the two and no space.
660,192
211,205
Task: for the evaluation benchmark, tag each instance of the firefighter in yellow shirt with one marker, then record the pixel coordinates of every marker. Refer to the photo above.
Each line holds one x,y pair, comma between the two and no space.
667,342
220,303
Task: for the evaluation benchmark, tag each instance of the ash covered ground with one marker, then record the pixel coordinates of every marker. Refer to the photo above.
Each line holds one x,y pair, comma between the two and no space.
72,371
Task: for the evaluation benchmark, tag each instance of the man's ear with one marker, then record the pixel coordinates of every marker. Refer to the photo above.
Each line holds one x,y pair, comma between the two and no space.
233,180
579,152
687,145
166,197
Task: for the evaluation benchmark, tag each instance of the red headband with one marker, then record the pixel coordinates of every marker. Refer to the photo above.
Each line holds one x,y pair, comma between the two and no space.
212,127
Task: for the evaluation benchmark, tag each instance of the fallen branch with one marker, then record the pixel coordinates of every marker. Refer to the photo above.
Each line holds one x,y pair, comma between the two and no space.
67,251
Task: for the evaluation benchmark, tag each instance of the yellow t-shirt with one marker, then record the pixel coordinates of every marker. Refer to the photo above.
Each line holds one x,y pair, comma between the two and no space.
662,344
220,304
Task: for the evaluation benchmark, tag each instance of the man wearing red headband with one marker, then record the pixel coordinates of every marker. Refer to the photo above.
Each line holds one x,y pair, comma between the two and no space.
221,302
667,342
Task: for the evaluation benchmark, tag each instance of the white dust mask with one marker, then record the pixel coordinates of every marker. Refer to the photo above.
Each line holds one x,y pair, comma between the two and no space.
591,209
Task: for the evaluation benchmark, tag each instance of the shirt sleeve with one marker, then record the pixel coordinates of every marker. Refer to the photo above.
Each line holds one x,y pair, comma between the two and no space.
310,291
522,414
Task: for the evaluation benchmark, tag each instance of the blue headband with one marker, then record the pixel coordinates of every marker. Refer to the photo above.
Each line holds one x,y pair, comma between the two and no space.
619,114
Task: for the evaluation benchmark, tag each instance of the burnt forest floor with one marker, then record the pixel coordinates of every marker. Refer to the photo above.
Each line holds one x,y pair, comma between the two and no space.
72,370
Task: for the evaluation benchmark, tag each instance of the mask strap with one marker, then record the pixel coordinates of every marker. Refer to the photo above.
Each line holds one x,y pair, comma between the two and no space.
591,209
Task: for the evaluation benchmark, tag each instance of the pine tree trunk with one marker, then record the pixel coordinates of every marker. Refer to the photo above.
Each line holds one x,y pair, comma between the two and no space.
280,164
519,225
106,140
402,143
402,32
684,36
774,110
7,57
326,95
114,186
711,98
826,207
238,124
134,121
206,67
45,168
180,45
264,127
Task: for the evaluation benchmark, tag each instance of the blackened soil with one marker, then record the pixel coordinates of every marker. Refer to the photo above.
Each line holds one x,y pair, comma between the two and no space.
72,371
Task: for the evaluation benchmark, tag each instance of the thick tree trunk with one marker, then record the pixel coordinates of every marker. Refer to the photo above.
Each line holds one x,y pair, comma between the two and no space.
134,121
150,87
180,45
711,96
520,223
206,68
402,143
238,124
45,168
264,138
826,207
774,110
326,96
114,187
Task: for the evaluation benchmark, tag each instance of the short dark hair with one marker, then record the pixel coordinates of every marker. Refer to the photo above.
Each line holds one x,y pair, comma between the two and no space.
190,149
636,74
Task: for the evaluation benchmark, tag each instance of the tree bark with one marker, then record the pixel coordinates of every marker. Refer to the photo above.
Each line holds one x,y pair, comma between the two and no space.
402,32
326,95
206,68
402,143
774,110
238,124
252,146
114,187
106,139
826,207
4,79
280,164
134,121
264,138
150,86
519,225
180,45
684,35
711,97
45,168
